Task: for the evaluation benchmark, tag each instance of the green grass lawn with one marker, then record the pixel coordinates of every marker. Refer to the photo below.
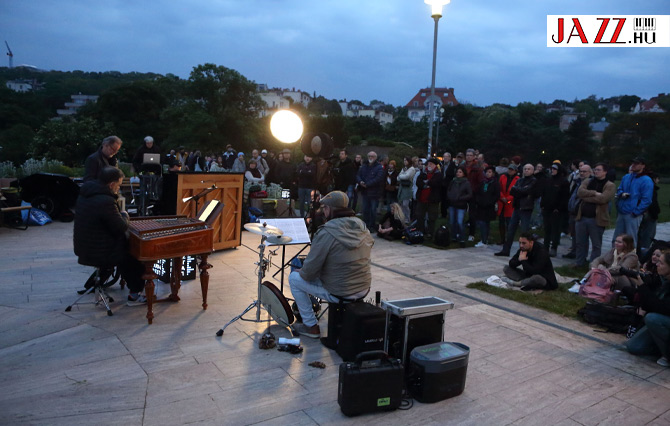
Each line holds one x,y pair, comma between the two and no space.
558,301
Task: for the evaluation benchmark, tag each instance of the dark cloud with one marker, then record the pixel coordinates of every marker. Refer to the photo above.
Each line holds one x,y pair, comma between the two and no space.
488,51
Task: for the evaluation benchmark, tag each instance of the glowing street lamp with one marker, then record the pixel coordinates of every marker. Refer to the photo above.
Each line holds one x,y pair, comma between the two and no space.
436,14
286,126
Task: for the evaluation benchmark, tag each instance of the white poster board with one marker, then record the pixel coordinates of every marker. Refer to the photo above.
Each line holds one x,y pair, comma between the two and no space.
291,227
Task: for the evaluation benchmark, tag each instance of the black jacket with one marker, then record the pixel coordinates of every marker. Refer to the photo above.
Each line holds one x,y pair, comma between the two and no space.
139,158
99,227
459,193
555,194
306,175
524,193
434,184
95,163
345,174
538,263
486,199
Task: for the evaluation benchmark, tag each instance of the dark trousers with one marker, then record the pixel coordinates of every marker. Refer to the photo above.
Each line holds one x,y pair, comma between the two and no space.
421,210
521,217
472,222
552,229
131,271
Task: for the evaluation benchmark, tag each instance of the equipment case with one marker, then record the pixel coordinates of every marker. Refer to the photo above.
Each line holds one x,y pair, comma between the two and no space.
437,371
372,383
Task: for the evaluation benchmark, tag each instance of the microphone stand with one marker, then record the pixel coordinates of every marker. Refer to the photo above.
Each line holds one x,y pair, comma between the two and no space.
200,195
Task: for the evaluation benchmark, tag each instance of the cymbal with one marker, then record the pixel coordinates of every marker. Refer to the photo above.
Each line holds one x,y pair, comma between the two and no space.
278,239
263,229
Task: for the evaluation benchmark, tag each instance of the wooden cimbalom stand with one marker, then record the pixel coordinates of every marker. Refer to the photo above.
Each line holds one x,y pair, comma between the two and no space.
229,190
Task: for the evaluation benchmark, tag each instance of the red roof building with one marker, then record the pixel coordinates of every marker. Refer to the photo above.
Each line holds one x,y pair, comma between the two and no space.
418,106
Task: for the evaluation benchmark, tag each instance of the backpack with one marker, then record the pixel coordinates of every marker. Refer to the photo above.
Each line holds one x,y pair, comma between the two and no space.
617,319
412,236
442,236
598,286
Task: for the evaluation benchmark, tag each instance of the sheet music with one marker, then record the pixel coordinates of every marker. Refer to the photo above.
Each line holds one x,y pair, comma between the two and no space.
292,227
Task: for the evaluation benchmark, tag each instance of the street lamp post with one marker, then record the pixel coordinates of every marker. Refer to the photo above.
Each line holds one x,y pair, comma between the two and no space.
436,14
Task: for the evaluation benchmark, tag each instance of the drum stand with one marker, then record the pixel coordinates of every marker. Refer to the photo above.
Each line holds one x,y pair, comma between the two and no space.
263,264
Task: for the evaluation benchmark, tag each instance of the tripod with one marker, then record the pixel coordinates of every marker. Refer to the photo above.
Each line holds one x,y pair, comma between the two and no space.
267,295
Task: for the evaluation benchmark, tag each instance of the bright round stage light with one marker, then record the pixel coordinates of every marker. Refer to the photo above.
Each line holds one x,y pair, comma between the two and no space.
286,126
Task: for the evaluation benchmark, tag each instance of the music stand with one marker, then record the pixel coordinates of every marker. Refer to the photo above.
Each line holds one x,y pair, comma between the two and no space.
297,230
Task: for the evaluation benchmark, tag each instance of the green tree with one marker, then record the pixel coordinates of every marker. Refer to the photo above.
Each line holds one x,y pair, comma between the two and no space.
14,142
70,141
134,110
231,101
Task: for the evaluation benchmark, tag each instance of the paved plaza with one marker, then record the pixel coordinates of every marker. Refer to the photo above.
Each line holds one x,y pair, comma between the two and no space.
526,366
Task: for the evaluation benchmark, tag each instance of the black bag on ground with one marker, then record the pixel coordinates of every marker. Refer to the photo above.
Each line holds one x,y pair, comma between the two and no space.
413,236
616,319
442,236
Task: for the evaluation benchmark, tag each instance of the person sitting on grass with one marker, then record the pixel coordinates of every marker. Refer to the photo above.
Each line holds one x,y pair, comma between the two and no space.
621,255
654,338
391,225
530,268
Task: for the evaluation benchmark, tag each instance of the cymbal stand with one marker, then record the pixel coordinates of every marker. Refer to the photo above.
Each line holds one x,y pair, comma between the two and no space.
263,265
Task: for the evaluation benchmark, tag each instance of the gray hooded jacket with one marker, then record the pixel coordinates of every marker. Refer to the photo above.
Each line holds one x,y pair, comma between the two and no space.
340,257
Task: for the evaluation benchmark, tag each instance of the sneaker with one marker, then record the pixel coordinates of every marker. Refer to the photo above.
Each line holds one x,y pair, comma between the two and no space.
663,362
471,238
136,299
502,253
481,244
575,288
569,255
312,332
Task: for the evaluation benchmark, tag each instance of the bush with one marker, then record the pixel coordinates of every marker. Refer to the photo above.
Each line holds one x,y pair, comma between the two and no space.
7,169
32,166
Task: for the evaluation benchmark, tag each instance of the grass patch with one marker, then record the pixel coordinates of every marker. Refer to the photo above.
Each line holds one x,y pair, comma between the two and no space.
558,301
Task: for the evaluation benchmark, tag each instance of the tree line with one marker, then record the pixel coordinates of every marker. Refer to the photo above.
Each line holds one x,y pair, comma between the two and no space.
217,105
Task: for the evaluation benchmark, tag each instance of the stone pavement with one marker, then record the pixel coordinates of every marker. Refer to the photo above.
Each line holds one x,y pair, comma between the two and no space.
526,366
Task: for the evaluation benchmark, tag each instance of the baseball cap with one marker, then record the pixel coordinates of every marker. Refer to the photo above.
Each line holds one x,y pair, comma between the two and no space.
513,167
639,159
336,199
265,151
286,151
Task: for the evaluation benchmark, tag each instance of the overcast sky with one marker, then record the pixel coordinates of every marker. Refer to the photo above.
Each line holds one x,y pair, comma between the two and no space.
488,50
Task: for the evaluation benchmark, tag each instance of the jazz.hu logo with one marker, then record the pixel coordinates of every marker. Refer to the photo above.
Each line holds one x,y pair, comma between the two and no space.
608,31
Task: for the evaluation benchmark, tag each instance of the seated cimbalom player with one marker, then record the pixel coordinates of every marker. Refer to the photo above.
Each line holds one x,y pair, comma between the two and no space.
100,231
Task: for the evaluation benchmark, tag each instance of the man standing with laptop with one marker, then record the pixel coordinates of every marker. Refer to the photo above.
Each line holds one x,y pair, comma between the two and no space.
147,159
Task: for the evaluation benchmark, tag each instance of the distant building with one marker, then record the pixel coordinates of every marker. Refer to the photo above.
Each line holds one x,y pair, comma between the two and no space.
567,119
355,110
276,99
23,86
419,107
611,106
650,106
598,128
77,102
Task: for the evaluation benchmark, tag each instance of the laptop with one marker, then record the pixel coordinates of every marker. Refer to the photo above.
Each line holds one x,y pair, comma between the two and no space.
152,159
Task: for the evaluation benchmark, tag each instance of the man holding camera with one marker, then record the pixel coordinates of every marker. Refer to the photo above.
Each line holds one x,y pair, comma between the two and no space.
633,198
338,264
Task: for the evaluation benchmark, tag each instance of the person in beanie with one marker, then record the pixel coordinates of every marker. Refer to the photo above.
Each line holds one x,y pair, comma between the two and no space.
338,264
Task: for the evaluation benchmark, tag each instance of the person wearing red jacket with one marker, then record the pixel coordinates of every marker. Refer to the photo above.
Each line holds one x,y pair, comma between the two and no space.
505,203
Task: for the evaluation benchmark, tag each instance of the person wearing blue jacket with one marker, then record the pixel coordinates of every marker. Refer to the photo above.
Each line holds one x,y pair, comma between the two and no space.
633,198
370,179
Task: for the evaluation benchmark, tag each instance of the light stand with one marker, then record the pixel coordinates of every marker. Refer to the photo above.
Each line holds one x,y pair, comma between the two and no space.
436,15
